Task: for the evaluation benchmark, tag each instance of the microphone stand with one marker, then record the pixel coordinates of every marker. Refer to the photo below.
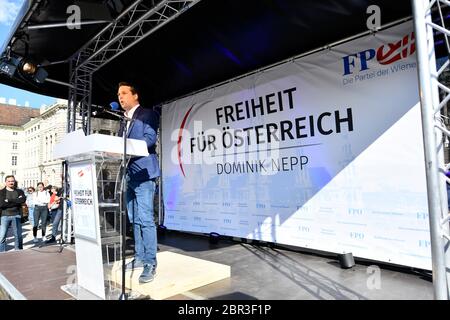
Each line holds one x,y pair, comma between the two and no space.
124,120
64,185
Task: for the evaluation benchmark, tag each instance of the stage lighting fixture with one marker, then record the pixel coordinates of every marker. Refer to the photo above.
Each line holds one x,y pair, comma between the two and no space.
22,68
29,68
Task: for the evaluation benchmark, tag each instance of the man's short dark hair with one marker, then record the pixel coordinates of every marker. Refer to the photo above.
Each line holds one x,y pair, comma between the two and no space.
40,183
133,88
9,176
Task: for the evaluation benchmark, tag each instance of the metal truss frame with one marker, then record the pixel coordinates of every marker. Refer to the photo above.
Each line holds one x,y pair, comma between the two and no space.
434,96
139,20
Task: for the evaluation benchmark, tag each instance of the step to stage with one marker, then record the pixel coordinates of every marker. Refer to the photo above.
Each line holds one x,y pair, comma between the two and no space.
176,273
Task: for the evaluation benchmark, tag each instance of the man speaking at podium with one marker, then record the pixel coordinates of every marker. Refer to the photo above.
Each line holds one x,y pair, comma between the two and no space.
141,175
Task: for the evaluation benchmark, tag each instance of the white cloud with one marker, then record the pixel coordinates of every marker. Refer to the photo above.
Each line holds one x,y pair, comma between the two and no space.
8,11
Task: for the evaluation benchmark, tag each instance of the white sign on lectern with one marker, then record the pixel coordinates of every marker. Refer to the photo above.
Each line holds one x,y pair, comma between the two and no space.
82,183
81,153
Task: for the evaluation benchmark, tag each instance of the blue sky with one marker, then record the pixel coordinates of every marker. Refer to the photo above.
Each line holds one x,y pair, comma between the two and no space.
8,13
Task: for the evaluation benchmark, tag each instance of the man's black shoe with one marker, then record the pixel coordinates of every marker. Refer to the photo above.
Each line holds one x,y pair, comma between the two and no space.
51,240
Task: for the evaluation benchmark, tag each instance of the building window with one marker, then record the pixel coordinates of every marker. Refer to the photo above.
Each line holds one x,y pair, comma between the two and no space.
14,146
13,172
14,160
14,133
50,151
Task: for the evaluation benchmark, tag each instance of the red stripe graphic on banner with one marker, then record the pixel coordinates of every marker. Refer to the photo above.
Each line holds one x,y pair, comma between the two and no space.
180,136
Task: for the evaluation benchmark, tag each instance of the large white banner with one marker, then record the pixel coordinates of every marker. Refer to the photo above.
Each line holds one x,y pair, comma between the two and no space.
324,152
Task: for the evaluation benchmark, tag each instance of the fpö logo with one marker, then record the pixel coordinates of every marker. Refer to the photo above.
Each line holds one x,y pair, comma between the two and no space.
386,54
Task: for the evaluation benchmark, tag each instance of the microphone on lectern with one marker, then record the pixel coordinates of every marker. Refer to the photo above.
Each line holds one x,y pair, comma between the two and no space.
112,107
115,106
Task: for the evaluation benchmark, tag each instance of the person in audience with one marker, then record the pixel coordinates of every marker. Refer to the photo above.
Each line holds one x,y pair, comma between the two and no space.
30,204
40,211
56,207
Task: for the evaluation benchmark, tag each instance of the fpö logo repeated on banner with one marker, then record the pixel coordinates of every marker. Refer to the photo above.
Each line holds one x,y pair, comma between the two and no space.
385,54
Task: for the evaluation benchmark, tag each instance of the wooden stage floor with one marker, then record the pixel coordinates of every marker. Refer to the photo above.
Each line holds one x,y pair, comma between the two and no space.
38,273
257,272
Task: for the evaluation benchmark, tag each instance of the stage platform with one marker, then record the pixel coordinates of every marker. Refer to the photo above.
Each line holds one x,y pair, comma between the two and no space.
257,272
38,273
176,274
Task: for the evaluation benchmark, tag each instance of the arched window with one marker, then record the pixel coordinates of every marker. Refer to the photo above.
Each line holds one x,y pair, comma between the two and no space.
50,151
46,148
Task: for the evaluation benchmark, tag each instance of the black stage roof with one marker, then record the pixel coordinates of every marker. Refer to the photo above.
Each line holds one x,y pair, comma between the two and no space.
213,41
